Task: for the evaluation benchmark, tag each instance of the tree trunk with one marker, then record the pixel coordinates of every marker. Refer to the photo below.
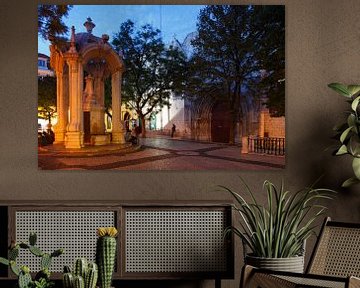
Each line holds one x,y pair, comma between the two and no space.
49,118
143,129
232,131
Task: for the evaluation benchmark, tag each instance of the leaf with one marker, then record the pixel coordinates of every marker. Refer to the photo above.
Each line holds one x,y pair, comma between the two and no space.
351,120
355,103
345,134
353,89
4,261
349,182
279,228
342,150
340,88
356,167
354,146
14,268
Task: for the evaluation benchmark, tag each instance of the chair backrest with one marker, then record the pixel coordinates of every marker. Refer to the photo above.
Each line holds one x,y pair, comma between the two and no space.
337,251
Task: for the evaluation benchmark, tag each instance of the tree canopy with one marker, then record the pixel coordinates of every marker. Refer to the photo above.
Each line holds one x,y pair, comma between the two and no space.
269,27
239,53
50,24
152,70
223,59
46,97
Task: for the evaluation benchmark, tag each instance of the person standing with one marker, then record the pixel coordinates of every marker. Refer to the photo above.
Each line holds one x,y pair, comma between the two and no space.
134,135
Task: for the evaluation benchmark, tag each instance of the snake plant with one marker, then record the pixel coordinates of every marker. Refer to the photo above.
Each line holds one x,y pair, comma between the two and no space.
279,228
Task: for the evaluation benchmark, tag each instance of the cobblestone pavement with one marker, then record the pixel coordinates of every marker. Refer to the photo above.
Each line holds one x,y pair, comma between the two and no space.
159,153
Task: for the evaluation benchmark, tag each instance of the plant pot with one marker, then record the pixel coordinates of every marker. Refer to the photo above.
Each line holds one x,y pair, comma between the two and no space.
291,264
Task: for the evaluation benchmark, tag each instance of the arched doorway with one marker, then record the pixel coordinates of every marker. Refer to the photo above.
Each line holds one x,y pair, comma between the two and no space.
220,123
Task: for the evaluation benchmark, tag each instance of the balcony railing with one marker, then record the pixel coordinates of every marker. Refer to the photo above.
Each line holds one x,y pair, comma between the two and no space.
267,145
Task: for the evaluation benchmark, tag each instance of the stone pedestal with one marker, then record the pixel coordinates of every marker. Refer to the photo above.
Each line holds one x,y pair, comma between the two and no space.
98,140
73,140
59,136
97,121
118,137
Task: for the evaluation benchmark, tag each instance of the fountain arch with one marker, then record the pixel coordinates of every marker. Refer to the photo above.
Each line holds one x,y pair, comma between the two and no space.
81,67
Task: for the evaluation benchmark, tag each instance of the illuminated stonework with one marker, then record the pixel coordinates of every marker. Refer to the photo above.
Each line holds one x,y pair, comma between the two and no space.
86,59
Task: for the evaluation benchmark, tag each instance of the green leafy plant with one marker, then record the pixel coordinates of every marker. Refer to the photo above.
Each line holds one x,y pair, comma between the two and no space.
278,230
349,132
42,278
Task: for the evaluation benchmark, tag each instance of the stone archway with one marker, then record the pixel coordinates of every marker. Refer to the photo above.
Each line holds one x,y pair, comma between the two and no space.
90,60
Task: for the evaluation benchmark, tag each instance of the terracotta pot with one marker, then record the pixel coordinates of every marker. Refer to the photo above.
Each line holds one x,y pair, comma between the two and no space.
291,264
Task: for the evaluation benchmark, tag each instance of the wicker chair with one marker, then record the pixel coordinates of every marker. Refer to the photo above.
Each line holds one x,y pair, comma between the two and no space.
334,263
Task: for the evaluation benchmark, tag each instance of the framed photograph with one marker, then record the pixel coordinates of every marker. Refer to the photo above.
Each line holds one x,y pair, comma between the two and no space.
161,87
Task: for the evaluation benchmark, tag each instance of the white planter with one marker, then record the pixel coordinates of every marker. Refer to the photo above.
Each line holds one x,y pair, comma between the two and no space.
291,264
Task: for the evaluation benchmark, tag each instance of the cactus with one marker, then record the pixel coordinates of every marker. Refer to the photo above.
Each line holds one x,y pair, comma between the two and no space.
88,273
42,278
57,252
79,282
43,274
68,280
4,261
13,253
67,269
24,246
91,276
36,251
45,261
106,254
24,280
32,239
14,268
80,267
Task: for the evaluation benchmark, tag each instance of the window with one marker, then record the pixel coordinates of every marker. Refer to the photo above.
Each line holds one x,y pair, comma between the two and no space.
41,63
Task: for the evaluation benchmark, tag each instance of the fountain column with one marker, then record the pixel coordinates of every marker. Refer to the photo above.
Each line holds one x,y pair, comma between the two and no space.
74,137
117,126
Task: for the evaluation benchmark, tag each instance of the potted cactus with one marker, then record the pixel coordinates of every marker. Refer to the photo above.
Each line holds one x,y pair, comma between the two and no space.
42,278
106,254
84,275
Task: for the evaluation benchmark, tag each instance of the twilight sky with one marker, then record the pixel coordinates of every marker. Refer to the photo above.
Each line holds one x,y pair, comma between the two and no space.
176,20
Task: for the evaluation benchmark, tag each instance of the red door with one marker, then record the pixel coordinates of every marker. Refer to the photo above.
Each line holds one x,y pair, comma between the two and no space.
220,123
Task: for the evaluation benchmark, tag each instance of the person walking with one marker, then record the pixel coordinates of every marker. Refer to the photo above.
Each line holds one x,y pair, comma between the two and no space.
173,129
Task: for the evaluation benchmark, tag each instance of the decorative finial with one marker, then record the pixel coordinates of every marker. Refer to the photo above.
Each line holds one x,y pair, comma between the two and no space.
89,25
72,40
105,38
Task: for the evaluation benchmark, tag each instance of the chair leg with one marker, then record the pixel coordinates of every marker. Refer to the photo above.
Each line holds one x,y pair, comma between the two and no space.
217,283
251,279
354,282
246,273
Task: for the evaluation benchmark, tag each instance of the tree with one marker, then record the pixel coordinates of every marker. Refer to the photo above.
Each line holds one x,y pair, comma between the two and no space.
152,70
238,57
46,97
269,33
50,24
223,61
